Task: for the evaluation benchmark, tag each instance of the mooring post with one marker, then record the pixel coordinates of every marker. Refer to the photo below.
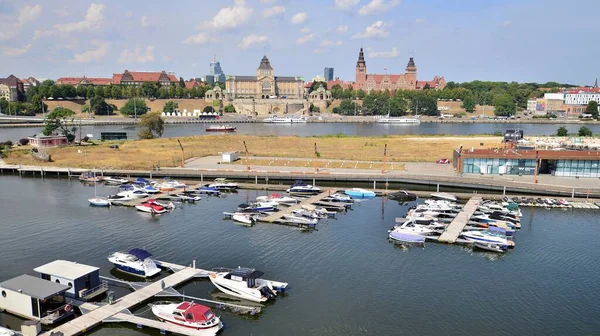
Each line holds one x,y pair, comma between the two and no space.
573,193
374,184
201,177
504,191
438,188
314,182
255,179
194,264
69,172
151,174
42,171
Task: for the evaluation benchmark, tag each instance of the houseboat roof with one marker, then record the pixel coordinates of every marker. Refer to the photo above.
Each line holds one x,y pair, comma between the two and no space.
34,287
66,269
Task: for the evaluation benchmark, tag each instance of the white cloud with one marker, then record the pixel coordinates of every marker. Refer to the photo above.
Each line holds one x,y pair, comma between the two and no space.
273,11
254,40
384,54
96,54
506,23
342,28
16,52
267,2
320,51
93,19
144,21
377,29
231,17
346,4
166,58
305,38
299,18
378,7
420,20
62,12
200,38
28,14
328,43
137,55
305,30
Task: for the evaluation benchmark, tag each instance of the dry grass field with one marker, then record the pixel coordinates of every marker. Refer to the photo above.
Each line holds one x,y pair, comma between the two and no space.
144,154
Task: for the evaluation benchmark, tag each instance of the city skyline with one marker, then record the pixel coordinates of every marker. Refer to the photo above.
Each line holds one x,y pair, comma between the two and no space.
463,40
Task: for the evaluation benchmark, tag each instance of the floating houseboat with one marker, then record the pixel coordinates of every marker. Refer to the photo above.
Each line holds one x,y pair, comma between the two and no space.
83,281
36,299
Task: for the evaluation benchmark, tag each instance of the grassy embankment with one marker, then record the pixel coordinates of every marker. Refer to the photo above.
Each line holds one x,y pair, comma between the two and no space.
155,105
144,154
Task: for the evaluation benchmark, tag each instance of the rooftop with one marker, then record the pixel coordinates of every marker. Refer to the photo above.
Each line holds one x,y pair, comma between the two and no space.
531,154
66,269
34,287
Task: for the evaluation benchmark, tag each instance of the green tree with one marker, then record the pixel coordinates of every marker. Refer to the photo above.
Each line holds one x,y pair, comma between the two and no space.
315,85
37,105
562,131
229,108
170,106
337,91
69,91
150,89
3,105
151,126
134,107
90,92
397,106
584,132
360,94
59,120
100,107
469,104
592,108
347,107
181,83
81,91
424,104
504,105
179,92
116,92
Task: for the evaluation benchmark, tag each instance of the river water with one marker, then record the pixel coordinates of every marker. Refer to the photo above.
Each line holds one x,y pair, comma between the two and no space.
345,278
318,129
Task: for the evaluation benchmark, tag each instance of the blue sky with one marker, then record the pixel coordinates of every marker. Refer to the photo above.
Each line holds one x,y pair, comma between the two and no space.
463,40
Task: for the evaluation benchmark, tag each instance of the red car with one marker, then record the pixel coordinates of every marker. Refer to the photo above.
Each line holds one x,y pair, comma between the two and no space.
443,161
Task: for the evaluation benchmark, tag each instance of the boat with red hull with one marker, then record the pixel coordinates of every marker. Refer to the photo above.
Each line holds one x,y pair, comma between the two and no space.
188,314
220,128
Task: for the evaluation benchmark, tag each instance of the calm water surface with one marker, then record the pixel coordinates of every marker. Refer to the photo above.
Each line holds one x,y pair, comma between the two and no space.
345,278
311,129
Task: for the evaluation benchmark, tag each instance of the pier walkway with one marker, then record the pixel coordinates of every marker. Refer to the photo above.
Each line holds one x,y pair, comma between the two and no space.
96,316
288,211
460,221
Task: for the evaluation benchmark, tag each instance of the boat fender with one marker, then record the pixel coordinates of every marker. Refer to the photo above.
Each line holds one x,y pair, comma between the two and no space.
68,308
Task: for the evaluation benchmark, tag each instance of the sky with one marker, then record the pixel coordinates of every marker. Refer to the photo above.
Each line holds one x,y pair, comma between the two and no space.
462,40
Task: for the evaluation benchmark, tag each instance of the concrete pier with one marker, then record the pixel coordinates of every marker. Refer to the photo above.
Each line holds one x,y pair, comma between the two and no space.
450,235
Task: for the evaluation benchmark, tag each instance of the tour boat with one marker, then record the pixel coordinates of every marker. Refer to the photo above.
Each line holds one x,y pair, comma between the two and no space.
151,206
89,177
114,180
300,187
399,120
246,283
406,237
136,262
359,193
223,184
220,128
188,314
277,198
285,120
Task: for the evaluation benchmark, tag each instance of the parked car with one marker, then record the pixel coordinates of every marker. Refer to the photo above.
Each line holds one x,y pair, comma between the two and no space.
443,161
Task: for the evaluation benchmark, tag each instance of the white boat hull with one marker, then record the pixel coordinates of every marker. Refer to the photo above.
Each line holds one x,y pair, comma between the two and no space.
100,202
164,313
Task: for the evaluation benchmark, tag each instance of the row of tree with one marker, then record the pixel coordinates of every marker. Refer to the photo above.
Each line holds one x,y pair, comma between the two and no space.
583,131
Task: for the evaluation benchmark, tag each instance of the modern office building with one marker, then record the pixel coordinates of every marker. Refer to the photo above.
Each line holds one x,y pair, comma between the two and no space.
328,74
215,73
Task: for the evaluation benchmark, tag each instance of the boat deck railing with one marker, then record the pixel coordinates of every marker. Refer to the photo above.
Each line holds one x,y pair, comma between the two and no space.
90,293
56,314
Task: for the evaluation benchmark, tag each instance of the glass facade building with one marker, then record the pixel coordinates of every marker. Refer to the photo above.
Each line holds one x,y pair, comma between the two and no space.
498,166
582,168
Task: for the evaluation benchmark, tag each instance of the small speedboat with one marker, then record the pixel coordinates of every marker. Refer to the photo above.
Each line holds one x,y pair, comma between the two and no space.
243,218
246,283
493,247
406,237
114,180
208,190
444,196
188,197
279,199
170,185
120,197
99,201
220,128
403,196
188,314
255,207
339,198
410,227
136,262
89,177
224,184
301,220
151,206
300,187
486,237
359,193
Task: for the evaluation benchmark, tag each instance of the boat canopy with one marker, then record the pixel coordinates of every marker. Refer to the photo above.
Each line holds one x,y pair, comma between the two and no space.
299,183
126,187
497,229
141,254
247,273
195,312
141,180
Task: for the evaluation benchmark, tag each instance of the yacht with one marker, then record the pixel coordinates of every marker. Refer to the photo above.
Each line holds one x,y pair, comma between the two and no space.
359,193
277,198
486,237
152,207
411,228
136,262
223,184
285,120
406,237
114,180
188,314
300,187
170,185
399,120
246,283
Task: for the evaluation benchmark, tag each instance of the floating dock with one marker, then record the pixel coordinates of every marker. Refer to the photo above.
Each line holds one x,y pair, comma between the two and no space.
274,218
450,235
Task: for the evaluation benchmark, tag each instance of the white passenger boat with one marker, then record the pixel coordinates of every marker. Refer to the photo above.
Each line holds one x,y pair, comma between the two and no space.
136,262
285,120
399,120
188,314
246,283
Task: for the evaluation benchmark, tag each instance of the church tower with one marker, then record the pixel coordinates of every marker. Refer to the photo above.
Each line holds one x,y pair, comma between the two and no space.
411,74
361,71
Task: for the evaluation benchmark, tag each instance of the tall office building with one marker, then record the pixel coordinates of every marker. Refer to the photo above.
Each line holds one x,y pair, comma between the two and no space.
328,74
215,73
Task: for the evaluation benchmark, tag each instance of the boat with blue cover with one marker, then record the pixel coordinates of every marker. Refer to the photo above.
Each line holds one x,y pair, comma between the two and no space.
208,190
302,188
137,262
406,237
359,193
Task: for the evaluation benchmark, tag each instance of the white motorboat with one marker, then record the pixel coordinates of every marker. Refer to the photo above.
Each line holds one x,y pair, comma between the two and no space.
246,283
300,187
247,219
114,180
444,196
301,220
99,201
493,247
486,237
151,206
136,262
406,237
359,193
411,228
120,197
340,198
188,314
277,198
170,185
223,184
399,120
188,197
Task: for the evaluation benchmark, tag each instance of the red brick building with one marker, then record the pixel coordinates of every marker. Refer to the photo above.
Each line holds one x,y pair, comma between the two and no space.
140,77
84,81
